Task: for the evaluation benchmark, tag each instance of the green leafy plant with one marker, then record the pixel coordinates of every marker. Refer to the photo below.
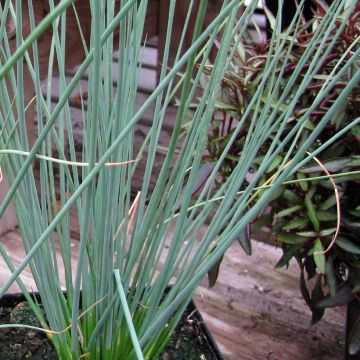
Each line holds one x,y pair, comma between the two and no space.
315,216
132,248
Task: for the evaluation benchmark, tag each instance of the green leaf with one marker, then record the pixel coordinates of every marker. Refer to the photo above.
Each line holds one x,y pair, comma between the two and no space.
225,106
328,203
312,191
276,228
319,258
292,197
278,193
303,184
241,51
326,215
312,213
307,234
273,166
350,225
260,222
347,245
291,239
232,157
296,223
355,212
270,18
330,276
327,232
356,131
291,252
288,211
309,125
355,162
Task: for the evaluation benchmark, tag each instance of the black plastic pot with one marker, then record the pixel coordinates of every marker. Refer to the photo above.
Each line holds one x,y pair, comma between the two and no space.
10,301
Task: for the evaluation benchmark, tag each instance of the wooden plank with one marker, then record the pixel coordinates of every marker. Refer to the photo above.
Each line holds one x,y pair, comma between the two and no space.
8,219
146,83
148,55
257,312
13,245
254,311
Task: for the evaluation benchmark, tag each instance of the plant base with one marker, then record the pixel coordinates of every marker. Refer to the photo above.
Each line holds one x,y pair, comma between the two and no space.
191,339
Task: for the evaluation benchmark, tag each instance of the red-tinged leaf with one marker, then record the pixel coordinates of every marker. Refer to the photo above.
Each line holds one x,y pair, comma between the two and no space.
354,338
322,7
213,273
245,240
343,296
333,166
304,290
202,175
310,267
316,296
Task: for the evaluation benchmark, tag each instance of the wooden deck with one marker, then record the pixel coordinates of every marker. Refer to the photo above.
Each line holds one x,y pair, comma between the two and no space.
254,311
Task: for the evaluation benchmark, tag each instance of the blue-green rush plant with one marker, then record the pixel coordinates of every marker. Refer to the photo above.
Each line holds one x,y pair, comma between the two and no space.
132,247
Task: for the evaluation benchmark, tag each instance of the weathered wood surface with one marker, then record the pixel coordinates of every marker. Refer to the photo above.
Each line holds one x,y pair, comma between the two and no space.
254,311
257,312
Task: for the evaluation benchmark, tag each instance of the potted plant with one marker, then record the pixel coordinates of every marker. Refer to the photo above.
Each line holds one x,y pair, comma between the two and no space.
132,247
315,215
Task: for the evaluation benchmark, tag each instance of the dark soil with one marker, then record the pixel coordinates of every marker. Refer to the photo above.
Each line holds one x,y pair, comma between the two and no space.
189,340
23,343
